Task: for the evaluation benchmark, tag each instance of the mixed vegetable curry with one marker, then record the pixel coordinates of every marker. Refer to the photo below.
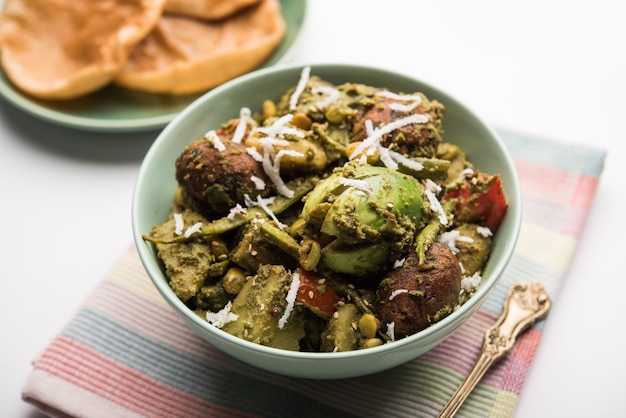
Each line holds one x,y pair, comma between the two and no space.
334,219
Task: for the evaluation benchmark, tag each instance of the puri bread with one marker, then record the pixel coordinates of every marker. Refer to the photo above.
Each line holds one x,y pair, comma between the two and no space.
207,9
184,55
60,49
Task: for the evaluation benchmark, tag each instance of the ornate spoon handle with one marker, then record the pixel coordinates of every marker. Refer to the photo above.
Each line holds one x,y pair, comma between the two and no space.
525,303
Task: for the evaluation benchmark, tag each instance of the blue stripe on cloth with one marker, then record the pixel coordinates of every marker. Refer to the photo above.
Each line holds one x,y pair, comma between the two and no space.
572,157
190,374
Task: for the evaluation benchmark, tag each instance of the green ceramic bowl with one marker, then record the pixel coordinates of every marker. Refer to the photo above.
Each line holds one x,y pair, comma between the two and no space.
156,184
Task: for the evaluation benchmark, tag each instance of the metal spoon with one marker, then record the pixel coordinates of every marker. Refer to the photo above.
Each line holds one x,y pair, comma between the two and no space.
524,304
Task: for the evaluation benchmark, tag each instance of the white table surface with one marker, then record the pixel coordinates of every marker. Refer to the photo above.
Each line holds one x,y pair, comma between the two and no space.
551,68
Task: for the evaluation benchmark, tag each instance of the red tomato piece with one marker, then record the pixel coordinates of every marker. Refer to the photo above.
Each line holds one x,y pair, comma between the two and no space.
320,298
483,202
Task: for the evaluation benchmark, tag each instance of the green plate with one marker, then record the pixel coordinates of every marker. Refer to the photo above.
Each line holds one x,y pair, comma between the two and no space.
115,109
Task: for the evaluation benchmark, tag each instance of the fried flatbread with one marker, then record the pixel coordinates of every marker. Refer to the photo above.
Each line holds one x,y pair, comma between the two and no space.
207,9
60,49
183,55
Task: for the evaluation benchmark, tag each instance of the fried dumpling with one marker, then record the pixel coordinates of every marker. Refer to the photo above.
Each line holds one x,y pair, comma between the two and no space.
60,49
184,55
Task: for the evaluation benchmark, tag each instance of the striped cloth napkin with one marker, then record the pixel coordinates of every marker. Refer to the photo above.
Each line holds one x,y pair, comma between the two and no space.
127,354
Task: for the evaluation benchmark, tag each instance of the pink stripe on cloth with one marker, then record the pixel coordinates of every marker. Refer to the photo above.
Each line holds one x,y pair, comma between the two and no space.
459,350
125,386
581,203
517,364
543,185
57,397
552,184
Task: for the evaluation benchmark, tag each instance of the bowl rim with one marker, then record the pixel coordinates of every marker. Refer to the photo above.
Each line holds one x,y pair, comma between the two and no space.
461,313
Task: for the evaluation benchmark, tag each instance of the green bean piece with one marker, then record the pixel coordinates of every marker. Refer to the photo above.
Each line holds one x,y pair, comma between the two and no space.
426,238
296,227
310,254
429,233
434,168
300,186
281,239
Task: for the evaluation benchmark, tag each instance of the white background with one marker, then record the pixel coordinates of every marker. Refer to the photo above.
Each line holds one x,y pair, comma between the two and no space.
552,68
